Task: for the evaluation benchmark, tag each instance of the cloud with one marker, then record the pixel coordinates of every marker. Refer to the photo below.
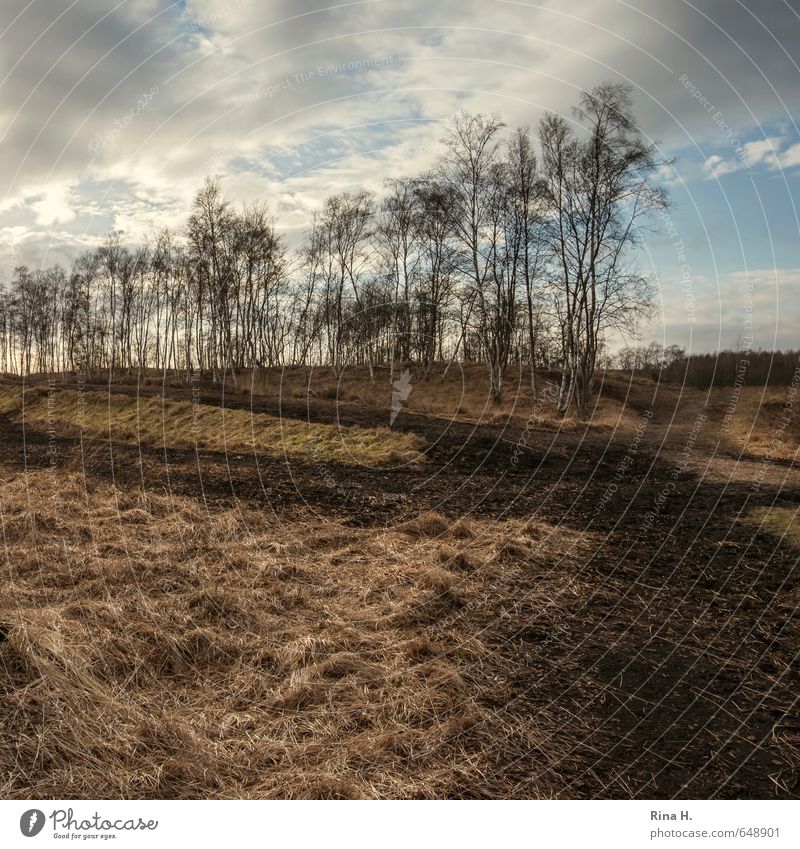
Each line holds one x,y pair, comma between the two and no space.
764,151
50,203
243,90
715,166
790,158
759,308
773,153
54,204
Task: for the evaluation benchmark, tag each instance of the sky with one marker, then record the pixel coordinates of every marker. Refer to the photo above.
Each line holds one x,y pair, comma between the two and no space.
112,113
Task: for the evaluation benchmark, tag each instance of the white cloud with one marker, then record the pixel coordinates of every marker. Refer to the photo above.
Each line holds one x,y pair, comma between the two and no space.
54,205
715,166
221,107
760,308
764,151
774,153
790,158
50,203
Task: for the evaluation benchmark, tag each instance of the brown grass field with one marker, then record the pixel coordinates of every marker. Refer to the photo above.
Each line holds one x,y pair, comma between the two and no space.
271,593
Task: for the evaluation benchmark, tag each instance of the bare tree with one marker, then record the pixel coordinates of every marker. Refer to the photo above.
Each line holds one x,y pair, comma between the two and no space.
495,256
468,166
435,231
528,203
600,187
208,230
397,238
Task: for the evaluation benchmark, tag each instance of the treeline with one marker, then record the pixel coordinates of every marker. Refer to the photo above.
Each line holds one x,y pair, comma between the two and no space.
702,371
514,248
736,368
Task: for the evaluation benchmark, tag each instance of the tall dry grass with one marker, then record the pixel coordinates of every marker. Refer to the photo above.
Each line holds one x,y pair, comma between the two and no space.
152,649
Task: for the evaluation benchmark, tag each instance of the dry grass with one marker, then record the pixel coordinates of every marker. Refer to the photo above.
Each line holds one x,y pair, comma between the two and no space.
150,649
758,420
754,424
464,394
182,424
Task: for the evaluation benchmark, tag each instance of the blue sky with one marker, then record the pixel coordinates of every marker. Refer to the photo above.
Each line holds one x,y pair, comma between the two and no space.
738,219
111,113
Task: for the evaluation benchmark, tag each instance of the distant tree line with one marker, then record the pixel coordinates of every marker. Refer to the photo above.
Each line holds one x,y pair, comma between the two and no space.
702,371
513,249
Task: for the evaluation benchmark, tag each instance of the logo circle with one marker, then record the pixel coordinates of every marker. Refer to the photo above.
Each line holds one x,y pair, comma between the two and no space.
31,822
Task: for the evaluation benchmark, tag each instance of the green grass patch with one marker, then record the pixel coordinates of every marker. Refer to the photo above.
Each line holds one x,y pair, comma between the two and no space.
183,424
781,521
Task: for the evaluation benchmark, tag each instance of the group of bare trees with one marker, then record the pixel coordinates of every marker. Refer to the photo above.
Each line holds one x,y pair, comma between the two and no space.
647,359
498,255
737,367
